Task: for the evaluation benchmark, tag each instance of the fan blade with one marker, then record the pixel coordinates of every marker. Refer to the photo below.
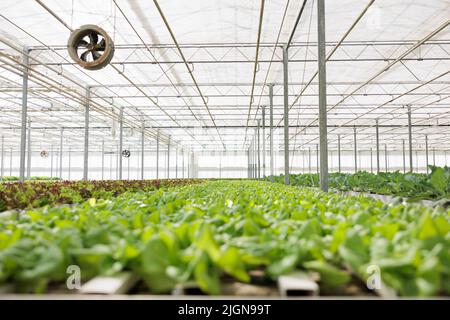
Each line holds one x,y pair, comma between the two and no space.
94,38
84,55
83,44
96,55
101,46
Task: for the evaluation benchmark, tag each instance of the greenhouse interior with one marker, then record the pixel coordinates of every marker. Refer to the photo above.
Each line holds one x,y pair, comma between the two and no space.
261,148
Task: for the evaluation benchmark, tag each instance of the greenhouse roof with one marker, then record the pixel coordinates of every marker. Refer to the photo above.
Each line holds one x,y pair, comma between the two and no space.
199,72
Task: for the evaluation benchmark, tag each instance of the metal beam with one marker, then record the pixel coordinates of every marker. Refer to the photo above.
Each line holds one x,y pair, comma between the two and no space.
269,45
256,62
121,63
322,95
23,128
286,113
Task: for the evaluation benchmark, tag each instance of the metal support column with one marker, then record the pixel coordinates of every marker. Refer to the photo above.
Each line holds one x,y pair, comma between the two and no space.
339,152
417,161
51,161
254,158
69,164
10,161
220,164
2,168
386,158
248,163
23,128
250,148
355,149
264,141
317,159
118,155
286,113
250,158
404,156
189,164
168,159
426,151
309,159
157,155
86,135
434,156
377,138
29,151
258,148
271,132
371,161
61,145
410,140
120,142
57,162
182,160
128,168
322,95
176,163
142,149
103,159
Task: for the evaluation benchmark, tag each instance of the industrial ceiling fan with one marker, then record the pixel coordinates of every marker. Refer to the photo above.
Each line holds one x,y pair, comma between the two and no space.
91,47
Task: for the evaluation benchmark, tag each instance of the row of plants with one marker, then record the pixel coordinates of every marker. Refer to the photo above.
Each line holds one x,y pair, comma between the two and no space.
31,194
16,178
203,232
414,186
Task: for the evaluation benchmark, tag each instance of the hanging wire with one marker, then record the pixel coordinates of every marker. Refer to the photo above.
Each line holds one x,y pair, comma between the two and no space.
303,79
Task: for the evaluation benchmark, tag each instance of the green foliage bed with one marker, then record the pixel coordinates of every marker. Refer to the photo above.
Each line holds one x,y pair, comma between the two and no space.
16,178
39,193
415,186
203,231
